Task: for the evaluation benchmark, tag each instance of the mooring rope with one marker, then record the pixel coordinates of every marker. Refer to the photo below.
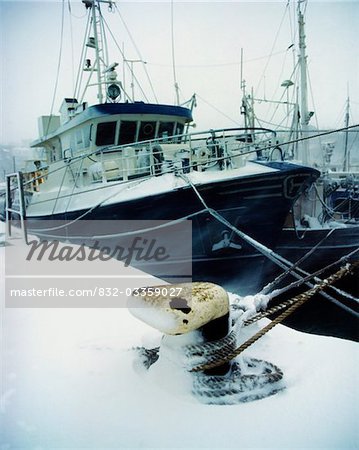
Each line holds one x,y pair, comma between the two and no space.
223,356
270,286
301,275
314,276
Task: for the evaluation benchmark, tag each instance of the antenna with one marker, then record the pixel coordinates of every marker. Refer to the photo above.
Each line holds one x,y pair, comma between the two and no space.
346,150
241,67
243,89
173,55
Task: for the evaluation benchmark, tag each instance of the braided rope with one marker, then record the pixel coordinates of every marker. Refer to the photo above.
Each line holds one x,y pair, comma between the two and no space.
197,354
224,357
253,379
270,311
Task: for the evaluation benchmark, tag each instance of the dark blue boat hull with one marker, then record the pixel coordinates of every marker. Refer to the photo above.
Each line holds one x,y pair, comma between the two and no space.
256,204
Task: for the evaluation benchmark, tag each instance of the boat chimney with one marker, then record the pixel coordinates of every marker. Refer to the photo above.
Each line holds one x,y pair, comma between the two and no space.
67,109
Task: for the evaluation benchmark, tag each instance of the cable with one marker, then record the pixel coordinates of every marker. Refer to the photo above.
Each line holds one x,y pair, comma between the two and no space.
173,54
277,280
138,52
72,14
123,56
271,52
72,48
218,110
225,64
58,66
82,58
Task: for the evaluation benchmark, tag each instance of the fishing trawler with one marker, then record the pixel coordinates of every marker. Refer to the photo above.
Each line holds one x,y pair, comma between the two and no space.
325,218
128,160
322,229
323,224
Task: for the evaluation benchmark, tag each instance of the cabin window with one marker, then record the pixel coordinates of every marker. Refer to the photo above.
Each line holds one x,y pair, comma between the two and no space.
106,133
73,142
179,128
165,129
147,131
87,135
127,132
79,138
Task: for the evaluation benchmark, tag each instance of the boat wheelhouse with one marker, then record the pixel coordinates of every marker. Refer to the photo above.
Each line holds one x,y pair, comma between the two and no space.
82,129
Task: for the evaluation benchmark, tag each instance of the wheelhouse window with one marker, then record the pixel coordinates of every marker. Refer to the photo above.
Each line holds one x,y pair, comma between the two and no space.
165,129
147,131
106,133
79,139
178,130
87,135
73,142
127,132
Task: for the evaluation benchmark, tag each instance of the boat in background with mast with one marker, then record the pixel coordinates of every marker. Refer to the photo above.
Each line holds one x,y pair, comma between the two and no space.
325,216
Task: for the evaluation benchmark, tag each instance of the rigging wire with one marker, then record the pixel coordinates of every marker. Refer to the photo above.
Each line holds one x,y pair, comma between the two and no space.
138,53
58,66
224,64
74,15
103,38
293,29
128,65
278,84
272,50
352,145
314,107
218,110
270,120
82,59
72,46
340,115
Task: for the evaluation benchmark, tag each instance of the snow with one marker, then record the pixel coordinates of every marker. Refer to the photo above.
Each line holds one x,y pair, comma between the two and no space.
169,181
70,380
194,306
114,192
155,317
315,224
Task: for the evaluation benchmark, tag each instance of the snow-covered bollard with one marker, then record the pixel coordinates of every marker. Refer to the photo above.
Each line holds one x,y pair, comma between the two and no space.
195,320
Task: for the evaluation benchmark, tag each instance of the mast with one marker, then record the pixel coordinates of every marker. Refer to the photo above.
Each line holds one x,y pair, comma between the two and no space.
304,113
106,75
98,50
346,151
247,106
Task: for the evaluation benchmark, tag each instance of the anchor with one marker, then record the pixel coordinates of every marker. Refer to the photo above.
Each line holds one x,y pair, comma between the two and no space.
225,243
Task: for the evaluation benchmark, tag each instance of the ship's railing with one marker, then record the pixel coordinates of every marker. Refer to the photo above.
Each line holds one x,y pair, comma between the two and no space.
214,150
15,208
220,149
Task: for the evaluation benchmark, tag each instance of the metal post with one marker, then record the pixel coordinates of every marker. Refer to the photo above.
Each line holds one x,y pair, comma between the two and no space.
8,205
22,205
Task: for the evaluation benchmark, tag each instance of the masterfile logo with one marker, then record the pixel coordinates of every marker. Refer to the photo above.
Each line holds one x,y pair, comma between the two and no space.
139,250
94,263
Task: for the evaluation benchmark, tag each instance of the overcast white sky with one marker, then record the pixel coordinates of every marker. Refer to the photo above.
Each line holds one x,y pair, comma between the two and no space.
208,39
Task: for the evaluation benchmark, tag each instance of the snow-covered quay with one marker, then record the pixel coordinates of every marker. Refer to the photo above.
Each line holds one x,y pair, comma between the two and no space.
70,380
